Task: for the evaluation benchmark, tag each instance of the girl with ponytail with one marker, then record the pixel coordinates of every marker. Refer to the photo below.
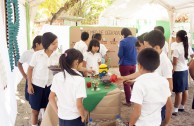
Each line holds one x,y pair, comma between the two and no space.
69,88
181,54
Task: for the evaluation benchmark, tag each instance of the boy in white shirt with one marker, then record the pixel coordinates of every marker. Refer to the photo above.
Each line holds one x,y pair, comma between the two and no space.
155,39
150,91
82,45
165,49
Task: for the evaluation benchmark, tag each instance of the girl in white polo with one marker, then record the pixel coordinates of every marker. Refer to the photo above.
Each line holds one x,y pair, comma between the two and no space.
181,55
69,88
39,76
92,58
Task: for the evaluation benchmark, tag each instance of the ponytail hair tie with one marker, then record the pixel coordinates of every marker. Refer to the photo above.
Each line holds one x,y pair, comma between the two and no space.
65,54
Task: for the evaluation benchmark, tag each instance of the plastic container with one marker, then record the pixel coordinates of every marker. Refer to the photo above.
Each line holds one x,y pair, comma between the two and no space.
91,123
119,122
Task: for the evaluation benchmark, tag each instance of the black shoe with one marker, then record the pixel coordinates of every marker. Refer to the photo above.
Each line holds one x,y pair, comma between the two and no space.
181,110
175,113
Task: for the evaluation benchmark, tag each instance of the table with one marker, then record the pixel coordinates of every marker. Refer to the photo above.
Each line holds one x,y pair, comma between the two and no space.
107,108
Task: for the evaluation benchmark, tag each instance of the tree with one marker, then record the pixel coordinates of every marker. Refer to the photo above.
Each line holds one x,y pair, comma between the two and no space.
88,9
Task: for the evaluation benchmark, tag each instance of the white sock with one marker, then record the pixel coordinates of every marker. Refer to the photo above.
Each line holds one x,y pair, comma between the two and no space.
175,109
42,112
181,106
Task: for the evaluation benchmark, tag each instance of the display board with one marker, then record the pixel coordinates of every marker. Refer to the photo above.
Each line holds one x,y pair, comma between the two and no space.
111,37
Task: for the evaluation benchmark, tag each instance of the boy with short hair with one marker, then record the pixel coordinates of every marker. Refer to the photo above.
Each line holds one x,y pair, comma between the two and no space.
150,92
82,45
165,48
155,39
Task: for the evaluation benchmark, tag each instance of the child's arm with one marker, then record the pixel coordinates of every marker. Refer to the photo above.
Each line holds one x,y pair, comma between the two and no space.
169,107
135,114
52,101
170,83
30,87
21,69
130,77
174,63
80,108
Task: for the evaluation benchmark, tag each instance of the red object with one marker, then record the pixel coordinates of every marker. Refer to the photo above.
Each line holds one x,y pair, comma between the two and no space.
113,78
89,84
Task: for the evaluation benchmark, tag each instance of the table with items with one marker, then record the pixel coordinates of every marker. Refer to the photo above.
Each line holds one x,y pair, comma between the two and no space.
102,102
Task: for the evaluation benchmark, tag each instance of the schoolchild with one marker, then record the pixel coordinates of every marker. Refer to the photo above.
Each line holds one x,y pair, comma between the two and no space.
69,88
181,55
150,91
39,76
26,57
92,58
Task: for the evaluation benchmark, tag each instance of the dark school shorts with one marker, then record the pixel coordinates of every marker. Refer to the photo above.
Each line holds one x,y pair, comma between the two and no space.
39,99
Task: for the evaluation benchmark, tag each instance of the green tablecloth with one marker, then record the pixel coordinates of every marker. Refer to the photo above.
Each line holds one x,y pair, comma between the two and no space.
94,97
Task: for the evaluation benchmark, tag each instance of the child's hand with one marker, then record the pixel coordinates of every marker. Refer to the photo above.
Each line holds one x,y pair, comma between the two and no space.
119,80
83,118
30,89
129,81
91,72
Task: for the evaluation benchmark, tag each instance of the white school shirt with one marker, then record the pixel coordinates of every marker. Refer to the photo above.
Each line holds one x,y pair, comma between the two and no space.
92,61
41,75
179,54
68,90
81,46
173,46
165,48
165,67
26,56
151,91
103,50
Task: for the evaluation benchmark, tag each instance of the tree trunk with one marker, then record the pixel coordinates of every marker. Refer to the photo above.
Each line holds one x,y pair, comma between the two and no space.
57,14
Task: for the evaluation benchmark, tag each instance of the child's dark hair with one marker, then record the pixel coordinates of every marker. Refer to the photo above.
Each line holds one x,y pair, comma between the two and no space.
137,44
160,28
126,32
141,37
97,36
84,36
93,42
182,35
47,39
66,60
149,59
37,39
154,38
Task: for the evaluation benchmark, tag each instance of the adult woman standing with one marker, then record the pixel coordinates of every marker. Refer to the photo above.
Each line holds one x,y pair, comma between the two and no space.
127,59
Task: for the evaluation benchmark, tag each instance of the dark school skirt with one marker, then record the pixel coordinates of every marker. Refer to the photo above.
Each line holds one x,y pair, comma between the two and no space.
180,81
74,122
